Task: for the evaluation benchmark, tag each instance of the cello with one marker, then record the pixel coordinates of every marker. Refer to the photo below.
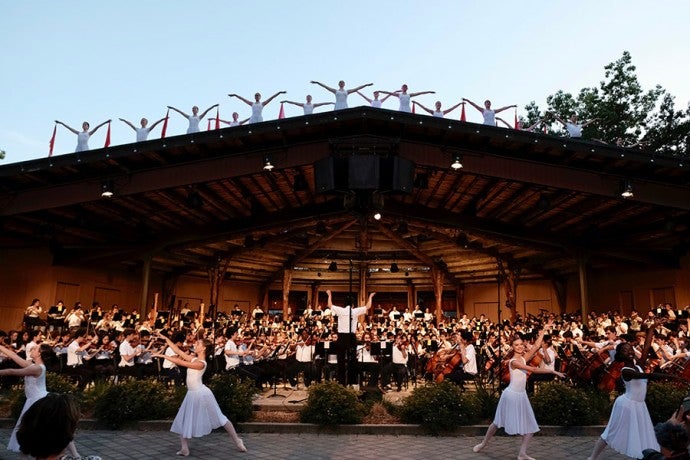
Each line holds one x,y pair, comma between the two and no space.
451,362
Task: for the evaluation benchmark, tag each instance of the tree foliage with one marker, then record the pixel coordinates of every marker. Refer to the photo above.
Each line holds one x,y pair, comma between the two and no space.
625,112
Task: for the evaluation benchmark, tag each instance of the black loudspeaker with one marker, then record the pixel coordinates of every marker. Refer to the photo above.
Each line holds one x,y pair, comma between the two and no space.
397,175
363,172
330,174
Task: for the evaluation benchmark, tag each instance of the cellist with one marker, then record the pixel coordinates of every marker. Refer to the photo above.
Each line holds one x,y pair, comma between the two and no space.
467,365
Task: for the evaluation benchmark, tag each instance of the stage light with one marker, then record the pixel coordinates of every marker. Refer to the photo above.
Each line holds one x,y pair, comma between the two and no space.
333,267
377,215
627,189
299,183
394,268
107,189
268,166
457,162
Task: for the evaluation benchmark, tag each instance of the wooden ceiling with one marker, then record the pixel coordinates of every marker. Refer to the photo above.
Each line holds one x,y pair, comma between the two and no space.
534,202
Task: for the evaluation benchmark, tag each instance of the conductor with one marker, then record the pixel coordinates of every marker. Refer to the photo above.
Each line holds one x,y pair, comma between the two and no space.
347,325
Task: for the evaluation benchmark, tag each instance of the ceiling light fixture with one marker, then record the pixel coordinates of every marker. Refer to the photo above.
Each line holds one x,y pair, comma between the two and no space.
268,166
394,268
333,267
457,162
107,189
627,189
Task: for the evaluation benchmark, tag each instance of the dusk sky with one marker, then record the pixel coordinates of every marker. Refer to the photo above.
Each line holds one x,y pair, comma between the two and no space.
79,60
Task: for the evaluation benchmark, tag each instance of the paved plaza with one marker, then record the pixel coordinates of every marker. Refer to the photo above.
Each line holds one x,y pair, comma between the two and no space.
121,445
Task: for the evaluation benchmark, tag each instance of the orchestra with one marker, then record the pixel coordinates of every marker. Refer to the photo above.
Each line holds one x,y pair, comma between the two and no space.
392,344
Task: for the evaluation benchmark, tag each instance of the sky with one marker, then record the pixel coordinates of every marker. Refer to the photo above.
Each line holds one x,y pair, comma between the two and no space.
91,61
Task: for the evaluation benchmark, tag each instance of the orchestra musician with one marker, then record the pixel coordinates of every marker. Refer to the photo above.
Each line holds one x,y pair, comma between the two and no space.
367,362
304,357
466,368
398,365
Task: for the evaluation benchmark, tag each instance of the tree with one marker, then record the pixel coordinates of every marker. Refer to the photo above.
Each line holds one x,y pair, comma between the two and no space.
668,129
2,154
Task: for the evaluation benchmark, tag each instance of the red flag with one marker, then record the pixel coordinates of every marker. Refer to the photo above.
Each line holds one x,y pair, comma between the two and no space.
52,141
208,128
281,114
462,113
165,124
107,137
516,120
217,118
413,107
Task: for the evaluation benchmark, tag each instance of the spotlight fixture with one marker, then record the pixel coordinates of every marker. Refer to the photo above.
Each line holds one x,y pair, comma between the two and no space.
333,267
457,162
107,189
394,268
377,215
268,166
627,189
249,241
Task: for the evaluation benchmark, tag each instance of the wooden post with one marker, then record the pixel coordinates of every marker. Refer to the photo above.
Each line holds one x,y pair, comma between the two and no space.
460,300
362,283
584,291
145,286
287,281
437,276
315,294
411,300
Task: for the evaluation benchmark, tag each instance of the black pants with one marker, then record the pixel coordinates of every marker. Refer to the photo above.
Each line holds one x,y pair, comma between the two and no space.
347,372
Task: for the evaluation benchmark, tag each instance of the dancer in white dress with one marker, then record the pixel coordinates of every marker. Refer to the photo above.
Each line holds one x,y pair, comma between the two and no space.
404,97
438,112
84,135
341,93
630,430
235,120
143,132
34,374
488,114
514,412
376,102
194,118
308,106
572,126
257,106
199,413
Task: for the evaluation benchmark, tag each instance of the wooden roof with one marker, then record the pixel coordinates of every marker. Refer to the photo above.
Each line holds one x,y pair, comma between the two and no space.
535,202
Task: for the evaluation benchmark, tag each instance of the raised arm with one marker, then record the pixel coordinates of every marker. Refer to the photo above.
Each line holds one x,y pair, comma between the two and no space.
365,98
504,122
68,127
354,90
419,104
384,99
14,356
329,303
447,111
265,103
175,348
370,299
323,103
531,128
154,125
505,108
327,88
96,128
390,93
198,364
298,104
588,122
178,111
557,118
203,114
419,93
128,123
246,101
473,104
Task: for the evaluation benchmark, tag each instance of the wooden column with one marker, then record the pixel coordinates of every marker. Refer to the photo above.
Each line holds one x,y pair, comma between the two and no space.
437,278
287,281
460,300
363,283
584,288
411,294
145,286
315,294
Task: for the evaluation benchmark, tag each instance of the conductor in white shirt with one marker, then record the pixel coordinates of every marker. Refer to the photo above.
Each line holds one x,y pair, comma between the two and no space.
348,318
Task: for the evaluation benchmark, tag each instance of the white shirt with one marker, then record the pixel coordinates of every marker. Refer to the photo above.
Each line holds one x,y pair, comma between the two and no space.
343,313
364,355
73,356
304,353
169,364
489,117
574,130
398,357
232,360
126,349
142,134
470,366
552,358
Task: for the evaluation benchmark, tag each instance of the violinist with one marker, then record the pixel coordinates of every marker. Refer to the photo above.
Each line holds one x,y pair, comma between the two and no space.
398,365
368,362
128,352
304,357
232,354
170,369
76,352
102,362
143,363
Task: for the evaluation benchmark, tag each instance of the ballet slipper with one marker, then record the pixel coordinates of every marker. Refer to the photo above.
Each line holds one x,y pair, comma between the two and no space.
182,453
240,445
479,447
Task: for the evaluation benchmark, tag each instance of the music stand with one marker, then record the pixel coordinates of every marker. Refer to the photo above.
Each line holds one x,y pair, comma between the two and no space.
272,357
161,319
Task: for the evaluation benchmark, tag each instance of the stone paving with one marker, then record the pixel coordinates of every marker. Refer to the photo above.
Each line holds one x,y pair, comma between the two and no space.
122,445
